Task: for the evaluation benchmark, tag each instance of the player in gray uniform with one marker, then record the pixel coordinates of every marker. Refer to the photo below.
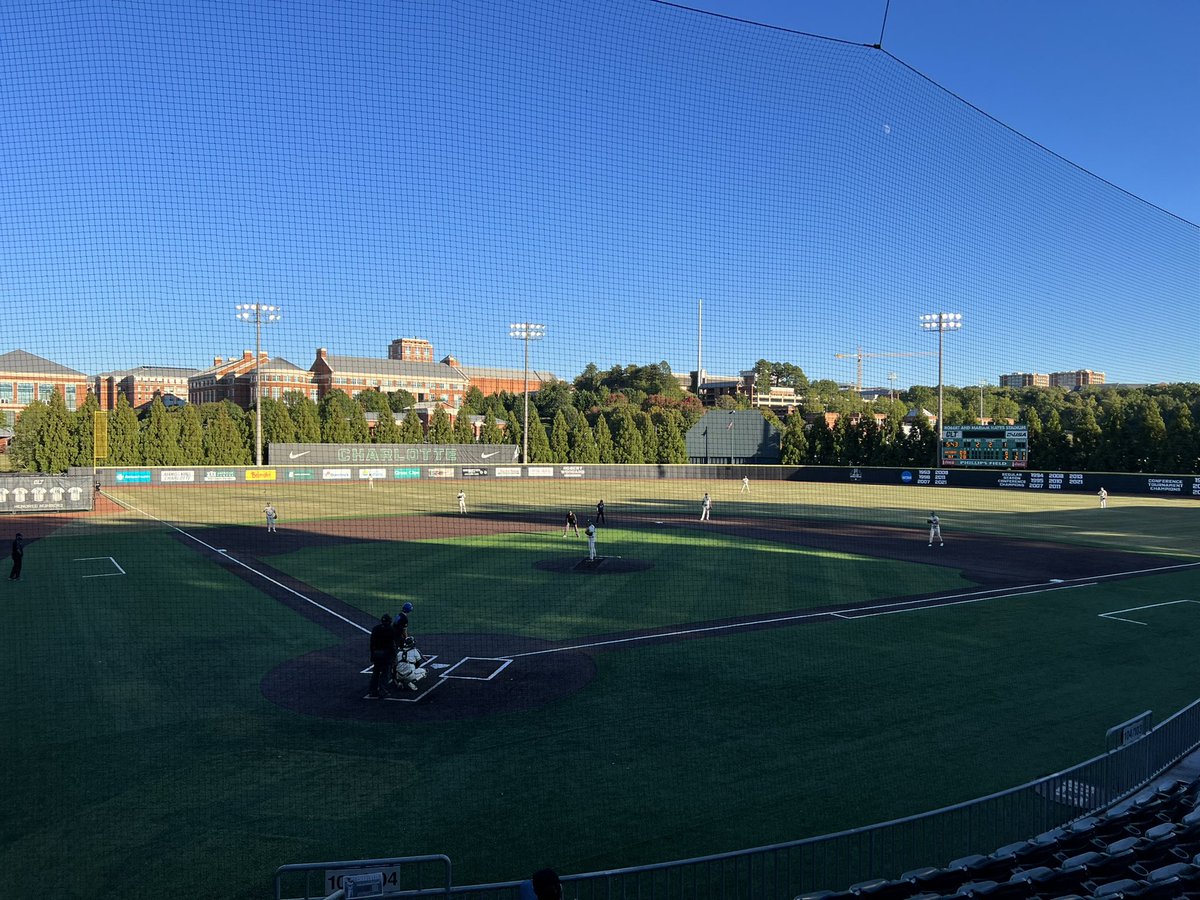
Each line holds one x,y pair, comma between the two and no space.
591,536
935,530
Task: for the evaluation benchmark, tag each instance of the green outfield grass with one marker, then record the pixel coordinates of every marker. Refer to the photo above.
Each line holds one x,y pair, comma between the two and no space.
142,757
1149,524
690,581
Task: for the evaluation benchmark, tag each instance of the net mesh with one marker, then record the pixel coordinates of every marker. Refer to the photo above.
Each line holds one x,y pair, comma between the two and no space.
440,171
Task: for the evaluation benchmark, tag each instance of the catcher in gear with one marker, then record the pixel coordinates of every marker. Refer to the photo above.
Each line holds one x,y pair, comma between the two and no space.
409,670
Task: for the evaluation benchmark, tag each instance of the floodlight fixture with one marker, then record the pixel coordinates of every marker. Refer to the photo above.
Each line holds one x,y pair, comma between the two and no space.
940,322
258,315
526,331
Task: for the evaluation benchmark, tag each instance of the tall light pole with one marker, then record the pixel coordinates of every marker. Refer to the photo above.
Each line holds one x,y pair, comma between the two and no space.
982,384
941,323
526,331
891,385
258,314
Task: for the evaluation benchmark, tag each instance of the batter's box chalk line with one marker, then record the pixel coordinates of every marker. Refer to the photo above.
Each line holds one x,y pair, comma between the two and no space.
499,665
115,564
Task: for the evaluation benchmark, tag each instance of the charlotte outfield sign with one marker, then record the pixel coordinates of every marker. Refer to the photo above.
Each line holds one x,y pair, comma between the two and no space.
406,454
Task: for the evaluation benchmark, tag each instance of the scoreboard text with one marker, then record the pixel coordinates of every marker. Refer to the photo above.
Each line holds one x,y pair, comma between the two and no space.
986,446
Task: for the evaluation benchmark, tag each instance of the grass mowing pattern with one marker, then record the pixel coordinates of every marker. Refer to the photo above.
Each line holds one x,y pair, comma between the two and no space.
148,752
489,583
1145,524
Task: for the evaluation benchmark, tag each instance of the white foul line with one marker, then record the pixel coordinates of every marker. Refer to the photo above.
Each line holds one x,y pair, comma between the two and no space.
876,609
935,604
866,610
1113,614
225,555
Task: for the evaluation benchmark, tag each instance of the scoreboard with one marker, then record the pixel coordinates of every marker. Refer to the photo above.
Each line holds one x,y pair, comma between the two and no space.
985,446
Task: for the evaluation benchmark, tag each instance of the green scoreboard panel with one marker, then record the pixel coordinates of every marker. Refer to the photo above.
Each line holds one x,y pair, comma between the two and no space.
985,446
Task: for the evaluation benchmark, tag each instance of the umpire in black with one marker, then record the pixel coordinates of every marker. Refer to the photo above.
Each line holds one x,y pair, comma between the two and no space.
383,654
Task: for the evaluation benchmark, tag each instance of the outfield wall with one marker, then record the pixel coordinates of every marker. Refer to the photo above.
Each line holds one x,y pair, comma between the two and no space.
1016,480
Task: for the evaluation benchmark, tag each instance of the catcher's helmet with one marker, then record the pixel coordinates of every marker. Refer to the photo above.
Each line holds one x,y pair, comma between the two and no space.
409,643
407,607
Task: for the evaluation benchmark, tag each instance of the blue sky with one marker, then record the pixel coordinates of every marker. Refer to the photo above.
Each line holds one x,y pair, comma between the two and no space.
439,170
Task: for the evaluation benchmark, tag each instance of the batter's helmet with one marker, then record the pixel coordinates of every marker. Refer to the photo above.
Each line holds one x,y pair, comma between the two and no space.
407,607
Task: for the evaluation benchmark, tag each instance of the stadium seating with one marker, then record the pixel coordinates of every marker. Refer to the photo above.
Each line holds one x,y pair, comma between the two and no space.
1147,846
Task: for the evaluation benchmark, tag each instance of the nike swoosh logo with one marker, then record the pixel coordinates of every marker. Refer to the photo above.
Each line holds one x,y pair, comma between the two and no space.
298,455
488,455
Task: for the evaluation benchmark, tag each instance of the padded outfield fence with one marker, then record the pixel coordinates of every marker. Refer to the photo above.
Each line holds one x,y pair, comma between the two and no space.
835,860
383,471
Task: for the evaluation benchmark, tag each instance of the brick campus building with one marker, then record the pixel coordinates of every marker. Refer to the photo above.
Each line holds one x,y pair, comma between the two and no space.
25,378
141,385
234,379
409,366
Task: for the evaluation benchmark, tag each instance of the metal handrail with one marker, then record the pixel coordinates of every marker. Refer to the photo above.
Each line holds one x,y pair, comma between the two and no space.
788,868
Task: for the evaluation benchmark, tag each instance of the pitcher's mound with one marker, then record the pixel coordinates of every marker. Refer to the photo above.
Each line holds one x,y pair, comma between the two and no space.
601,565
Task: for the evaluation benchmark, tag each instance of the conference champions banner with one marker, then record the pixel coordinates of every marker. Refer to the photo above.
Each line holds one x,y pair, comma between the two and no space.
474,455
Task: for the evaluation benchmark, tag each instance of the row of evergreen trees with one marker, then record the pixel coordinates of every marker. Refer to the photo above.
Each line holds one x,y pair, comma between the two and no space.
1114,429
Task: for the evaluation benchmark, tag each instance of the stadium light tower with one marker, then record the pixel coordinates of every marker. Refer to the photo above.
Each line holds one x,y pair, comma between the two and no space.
941,323
526,331
258,314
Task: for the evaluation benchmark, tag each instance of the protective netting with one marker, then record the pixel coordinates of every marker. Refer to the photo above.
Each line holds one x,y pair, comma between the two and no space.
439,171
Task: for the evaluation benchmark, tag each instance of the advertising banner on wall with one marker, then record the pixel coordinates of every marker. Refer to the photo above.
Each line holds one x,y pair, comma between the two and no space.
1158,485
397,454
45,493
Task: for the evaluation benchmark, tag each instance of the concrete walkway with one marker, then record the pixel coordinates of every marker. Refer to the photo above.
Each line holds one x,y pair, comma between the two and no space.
1187,769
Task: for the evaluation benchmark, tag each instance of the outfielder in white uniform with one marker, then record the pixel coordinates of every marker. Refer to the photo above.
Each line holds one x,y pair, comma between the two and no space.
935,530
462,503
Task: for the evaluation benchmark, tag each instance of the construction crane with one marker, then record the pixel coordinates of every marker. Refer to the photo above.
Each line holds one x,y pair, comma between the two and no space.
859,355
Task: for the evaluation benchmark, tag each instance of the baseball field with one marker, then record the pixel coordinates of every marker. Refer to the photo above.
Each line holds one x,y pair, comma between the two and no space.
186,694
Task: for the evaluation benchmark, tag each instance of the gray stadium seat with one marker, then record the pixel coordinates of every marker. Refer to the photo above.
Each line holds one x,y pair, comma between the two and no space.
1115,890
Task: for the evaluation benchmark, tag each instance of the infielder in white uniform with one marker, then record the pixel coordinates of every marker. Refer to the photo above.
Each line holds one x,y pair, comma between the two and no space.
705,508
272,515
745,485
1103,495
935,530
